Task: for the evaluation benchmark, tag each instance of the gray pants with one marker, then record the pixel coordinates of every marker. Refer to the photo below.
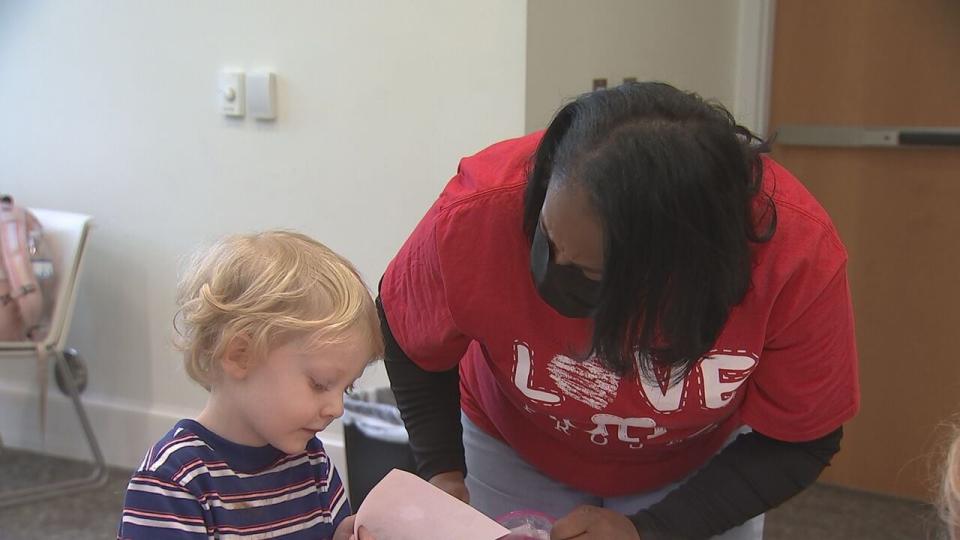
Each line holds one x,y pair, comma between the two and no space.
500,481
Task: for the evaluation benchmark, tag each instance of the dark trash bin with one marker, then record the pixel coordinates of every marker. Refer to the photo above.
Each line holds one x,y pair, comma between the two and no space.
375,439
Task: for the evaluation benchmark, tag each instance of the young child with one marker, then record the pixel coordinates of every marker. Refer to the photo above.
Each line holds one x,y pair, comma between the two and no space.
276,327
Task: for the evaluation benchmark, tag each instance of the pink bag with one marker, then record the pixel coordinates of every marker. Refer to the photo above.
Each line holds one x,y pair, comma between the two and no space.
26,282
22,316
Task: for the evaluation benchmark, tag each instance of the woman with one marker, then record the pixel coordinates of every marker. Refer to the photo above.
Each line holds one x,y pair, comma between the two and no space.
611,302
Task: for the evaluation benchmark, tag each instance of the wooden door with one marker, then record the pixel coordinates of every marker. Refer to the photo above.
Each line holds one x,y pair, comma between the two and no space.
885,63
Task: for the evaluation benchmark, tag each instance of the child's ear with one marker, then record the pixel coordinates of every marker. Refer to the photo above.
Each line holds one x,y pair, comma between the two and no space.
237,359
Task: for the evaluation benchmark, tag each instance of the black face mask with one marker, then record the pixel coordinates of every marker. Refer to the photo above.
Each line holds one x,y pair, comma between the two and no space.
564,287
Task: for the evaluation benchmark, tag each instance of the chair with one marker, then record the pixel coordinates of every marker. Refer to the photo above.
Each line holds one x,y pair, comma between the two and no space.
65,234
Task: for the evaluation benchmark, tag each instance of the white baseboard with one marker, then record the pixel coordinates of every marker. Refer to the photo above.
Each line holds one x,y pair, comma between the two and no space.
124,430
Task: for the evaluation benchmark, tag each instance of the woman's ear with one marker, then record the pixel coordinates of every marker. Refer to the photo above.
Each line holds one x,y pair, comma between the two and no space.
237,357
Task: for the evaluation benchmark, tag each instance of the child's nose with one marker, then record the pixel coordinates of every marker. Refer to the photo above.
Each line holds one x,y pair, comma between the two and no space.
333,407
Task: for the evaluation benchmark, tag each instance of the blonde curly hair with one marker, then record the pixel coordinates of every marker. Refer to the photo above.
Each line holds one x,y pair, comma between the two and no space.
950,490
269,287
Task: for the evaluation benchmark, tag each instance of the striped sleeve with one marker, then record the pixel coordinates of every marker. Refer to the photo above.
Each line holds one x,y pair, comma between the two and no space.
156,508
332,493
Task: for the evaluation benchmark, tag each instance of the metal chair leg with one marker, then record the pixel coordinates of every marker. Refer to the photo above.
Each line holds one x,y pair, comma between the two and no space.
96,478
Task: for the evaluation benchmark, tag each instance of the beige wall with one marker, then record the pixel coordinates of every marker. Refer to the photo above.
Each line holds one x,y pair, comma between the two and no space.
689,43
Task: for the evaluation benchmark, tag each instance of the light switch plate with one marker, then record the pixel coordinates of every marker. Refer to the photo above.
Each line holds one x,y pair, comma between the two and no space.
230,93
262,95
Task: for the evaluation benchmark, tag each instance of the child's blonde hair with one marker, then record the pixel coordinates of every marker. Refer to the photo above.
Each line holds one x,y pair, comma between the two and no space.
950,490
268,287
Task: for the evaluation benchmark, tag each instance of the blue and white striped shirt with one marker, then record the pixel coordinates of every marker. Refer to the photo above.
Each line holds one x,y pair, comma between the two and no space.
195,484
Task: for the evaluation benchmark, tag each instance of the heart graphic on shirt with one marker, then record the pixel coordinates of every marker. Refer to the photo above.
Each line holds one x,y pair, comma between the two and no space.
586,381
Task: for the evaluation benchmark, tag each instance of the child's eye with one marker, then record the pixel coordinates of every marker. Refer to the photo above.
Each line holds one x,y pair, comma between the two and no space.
349,390
318,387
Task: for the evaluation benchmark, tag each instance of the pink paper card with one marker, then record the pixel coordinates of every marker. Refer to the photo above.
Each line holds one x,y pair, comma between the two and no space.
405,507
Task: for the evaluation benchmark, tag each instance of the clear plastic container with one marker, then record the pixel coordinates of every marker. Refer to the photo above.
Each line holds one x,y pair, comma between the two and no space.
526,525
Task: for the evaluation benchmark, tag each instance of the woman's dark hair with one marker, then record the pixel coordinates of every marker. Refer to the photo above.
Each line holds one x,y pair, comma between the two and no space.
676,184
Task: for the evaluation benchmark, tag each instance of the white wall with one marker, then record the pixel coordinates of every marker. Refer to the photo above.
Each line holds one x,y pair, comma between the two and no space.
109,109
696,45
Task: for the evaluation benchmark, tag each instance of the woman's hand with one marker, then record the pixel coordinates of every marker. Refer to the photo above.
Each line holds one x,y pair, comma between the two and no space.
593,523
345,531
452,482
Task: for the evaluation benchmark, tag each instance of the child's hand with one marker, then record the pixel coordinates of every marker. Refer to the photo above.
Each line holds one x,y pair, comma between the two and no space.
345,531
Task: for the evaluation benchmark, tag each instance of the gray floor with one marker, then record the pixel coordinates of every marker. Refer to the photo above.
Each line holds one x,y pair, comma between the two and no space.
826,512
822,512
